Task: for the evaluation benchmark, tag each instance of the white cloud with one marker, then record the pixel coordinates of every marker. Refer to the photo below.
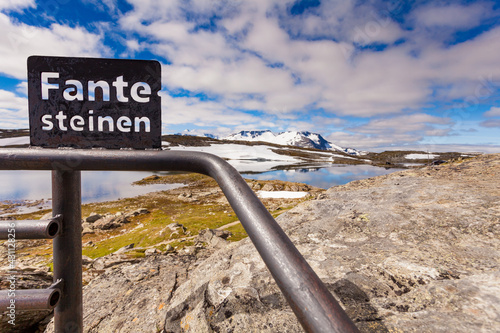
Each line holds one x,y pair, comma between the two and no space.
250,61
103,5
22,88
346,21
254,56
418,122
463,148
493,112
16,5
8,100
491,123
13,110
452,15
399,130
190,110
18,41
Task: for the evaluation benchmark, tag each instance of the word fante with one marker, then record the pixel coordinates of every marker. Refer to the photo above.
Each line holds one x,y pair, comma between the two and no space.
74,89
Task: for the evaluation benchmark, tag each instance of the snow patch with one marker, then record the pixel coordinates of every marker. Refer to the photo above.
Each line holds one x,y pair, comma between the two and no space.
20,140
246,158
290,138
420,156
241,152
281,194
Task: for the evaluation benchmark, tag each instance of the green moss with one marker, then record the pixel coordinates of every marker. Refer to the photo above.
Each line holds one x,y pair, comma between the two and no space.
237,232
31,216
141,237
137,253
193,179
364,218
208,209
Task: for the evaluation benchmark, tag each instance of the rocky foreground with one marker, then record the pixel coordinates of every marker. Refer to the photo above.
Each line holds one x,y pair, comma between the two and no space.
412,251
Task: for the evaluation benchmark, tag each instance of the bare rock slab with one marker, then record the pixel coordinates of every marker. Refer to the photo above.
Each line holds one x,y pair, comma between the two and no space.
412,251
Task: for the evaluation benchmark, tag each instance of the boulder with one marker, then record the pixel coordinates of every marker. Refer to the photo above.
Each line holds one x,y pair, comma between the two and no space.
93,217
213,238
87,230
132,296
150,252
112,260
110,222
176,226
140,211
124,249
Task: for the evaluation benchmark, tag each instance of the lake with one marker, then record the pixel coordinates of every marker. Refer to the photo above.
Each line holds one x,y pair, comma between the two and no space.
324,177
98,186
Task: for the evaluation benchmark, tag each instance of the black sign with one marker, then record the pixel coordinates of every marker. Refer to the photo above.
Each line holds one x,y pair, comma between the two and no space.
87,102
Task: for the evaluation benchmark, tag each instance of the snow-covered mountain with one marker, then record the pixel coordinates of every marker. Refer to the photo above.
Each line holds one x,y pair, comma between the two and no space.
290,138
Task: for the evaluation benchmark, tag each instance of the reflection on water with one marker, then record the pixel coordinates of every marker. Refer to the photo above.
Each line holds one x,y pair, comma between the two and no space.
324,177
96,185
111,185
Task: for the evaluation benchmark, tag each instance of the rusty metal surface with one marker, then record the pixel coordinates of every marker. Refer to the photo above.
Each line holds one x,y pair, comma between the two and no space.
30,229
312,303
66,201
30,299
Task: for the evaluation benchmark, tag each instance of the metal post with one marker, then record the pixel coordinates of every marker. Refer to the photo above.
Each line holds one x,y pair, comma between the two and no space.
66,200
31,229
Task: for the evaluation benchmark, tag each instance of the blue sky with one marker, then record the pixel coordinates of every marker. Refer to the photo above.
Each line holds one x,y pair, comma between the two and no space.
371,75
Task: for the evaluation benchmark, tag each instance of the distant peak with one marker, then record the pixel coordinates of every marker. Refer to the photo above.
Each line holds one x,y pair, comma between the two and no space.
304,139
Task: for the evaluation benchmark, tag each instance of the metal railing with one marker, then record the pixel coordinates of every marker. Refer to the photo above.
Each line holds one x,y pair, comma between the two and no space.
315,307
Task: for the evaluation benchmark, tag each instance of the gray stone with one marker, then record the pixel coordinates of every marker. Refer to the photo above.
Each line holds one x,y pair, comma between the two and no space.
150,252
87,260
93,217
87,231
137,212
175,226
132,296
110,222
268,187
141,211
112,260
213,238
87,225
124,249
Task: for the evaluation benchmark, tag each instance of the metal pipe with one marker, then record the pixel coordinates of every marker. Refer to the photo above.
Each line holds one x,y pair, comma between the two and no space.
30,229
29,299
315,307
66,200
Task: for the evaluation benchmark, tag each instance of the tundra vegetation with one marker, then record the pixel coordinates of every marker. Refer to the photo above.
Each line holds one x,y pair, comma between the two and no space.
198,205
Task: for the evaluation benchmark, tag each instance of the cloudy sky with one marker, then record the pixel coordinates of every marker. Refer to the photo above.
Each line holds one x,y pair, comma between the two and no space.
371,75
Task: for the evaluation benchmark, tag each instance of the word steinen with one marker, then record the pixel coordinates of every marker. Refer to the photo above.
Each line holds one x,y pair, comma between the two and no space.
139,92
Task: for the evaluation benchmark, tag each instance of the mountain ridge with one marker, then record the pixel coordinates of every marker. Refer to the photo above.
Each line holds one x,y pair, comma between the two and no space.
303,139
